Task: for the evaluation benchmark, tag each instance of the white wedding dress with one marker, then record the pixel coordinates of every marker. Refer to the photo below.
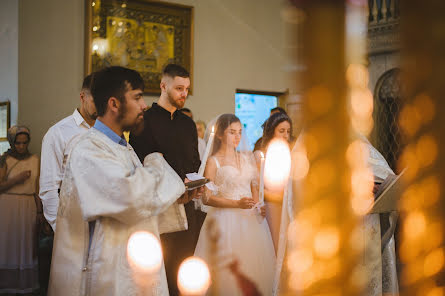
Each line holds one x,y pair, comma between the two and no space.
241,235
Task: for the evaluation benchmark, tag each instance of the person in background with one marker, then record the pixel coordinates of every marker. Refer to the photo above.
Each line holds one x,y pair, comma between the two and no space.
56,146
278,126
20,210
169,131
201,128
187,112
272,112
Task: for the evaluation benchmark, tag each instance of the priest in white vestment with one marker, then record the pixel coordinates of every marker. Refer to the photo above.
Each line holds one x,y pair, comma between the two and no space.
107,194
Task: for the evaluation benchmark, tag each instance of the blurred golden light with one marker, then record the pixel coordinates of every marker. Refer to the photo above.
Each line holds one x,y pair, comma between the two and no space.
426,150
434,262
362,181
95,28
93,4
357,76
124,5
120,24
331,268
299,230
414,225
277,165
326,242
319,100
409,120
301,168
311,144
435,236
412,273
409,160
362,126
425,107
144,251
362,102
325,168
358,276
357,154
436,291
300,260
193,277
362,204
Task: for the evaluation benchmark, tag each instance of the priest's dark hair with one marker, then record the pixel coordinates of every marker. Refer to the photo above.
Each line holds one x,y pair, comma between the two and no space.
173,70
269,127
113,81
223,122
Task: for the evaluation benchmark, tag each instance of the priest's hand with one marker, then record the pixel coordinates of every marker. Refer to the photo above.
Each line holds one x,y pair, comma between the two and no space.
191,194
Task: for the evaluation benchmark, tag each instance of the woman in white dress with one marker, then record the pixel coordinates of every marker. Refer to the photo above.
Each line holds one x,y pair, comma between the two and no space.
233,229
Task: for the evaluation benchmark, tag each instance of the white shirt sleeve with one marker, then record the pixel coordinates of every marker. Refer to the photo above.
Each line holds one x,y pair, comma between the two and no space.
51,174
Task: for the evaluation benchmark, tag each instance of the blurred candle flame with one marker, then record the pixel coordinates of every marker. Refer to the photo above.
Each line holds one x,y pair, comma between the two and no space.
193,277
144,251
277,165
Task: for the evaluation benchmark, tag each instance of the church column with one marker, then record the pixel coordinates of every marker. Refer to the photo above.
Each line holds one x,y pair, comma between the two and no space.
422,247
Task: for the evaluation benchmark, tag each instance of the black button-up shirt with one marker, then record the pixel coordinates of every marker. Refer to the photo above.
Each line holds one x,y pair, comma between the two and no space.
175,137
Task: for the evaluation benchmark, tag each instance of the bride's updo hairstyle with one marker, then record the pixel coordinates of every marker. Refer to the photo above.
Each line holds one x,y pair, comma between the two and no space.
271,124
223,122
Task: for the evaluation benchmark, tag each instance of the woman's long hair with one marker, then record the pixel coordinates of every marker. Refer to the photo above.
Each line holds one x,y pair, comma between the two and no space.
223,122
270,125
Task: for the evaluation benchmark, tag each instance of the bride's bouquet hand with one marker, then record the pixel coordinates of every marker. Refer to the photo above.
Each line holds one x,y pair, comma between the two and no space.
246,203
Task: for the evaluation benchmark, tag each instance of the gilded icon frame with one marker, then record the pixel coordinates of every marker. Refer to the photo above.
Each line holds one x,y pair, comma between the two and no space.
139,34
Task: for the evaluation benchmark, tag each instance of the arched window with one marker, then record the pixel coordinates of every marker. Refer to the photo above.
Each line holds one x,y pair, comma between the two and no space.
386,112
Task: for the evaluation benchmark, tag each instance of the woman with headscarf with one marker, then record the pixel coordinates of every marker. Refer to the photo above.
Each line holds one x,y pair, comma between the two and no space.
20,208
277,127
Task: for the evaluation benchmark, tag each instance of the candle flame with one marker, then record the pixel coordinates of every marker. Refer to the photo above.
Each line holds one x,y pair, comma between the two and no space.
277,164
144,251
193,277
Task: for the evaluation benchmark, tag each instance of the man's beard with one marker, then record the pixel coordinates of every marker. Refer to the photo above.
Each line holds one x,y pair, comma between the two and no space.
174,103
136,126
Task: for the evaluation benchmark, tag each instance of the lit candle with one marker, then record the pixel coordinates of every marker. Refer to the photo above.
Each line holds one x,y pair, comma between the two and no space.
277,165
261,193
144,252
193,277
206,153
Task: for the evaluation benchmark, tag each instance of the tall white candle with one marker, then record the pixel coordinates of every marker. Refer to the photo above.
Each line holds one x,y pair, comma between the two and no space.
206,153
261,193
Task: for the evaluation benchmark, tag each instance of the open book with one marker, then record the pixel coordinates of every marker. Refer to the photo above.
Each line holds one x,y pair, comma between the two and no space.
388,195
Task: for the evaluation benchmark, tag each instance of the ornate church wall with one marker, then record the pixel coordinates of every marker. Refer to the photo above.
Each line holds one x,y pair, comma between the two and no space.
237,44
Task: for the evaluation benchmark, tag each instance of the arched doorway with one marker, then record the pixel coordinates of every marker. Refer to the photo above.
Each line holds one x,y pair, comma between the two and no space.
387,105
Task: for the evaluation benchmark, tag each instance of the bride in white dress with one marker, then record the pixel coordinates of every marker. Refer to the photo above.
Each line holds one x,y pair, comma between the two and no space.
241,234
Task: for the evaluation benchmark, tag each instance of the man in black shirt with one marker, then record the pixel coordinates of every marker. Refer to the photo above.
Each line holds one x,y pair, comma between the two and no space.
172,133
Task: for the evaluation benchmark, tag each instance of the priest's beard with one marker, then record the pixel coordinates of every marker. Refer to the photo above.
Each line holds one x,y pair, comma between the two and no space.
134,127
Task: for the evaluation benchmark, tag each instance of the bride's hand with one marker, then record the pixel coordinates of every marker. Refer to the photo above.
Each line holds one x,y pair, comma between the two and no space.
246,203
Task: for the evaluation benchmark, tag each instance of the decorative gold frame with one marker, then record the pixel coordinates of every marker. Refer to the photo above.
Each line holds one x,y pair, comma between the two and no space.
139,34
5,107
